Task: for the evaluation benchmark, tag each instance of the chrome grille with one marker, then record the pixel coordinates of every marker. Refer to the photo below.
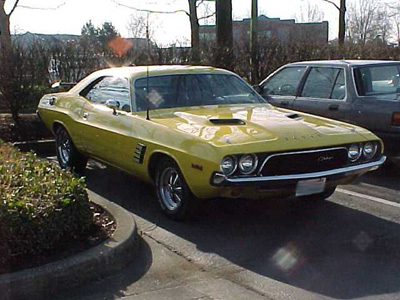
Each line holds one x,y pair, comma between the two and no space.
301,162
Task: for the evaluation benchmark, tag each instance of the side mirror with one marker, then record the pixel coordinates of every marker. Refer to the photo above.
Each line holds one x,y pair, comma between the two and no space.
56,85
114,105
257,88
59,84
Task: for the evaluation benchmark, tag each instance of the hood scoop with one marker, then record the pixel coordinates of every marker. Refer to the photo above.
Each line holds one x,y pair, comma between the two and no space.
227,122
294,116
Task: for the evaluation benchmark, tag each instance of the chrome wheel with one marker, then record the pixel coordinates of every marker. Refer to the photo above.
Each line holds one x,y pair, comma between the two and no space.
64,147
171,188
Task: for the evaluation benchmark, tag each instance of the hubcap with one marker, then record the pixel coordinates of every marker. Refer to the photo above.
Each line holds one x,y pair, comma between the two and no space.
171,189
64,147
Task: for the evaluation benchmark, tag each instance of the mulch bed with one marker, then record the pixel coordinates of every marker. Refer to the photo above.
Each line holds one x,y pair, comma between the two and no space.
30,128
104,227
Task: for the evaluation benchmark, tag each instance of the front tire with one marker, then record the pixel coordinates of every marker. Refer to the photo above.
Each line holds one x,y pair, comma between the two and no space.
174,196
67,154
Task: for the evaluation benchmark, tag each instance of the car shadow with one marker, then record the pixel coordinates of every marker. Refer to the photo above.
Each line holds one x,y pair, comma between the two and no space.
326,248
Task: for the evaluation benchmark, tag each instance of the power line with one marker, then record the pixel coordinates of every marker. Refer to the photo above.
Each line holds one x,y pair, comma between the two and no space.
43,8
149,10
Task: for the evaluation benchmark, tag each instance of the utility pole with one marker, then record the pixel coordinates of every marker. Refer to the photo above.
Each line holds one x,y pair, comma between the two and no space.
254,41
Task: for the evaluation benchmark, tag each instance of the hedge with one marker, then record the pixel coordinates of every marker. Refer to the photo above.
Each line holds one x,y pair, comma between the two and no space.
41,206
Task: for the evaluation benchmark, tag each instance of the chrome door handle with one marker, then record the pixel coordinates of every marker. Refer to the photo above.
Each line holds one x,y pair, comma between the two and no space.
85,116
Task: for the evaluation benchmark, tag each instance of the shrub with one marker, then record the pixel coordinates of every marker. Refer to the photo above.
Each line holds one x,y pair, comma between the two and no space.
41,206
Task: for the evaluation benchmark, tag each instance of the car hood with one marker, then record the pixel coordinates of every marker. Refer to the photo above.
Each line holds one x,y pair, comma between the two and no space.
234,126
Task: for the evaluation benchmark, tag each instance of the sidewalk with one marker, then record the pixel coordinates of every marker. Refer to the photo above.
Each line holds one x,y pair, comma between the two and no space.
158,273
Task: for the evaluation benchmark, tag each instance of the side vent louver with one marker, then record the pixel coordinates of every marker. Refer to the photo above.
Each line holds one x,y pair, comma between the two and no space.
139,153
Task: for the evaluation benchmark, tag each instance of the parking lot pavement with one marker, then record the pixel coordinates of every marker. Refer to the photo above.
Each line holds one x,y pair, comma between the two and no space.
344,248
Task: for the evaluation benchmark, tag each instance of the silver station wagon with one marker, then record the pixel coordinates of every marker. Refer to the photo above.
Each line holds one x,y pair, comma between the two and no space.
361,92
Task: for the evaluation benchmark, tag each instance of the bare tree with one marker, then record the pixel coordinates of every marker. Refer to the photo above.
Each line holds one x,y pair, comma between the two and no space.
195,27
310,13
223,10
383,24
367,21
5,35
193,17
195,30
395,18
137,26
19,69
342,8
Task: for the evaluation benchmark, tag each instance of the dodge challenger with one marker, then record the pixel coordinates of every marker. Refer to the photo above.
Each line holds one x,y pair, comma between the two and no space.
203,132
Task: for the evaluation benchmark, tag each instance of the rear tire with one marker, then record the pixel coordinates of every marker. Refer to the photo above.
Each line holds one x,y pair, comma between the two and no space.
67,154
173,194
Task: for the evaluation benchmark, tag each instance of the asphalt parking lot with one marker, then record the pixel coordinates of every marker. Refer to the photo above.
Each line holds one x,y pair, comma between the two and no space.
346,247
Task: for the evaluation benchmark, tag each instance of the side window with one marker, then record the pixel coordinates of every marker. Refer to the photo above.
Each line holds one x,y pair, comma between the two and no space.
284,83
325,83
111,88
378,80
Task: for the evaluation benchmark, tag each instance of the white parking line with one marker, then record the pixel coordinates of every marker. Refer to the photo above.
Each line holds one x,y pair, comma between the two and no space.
371,198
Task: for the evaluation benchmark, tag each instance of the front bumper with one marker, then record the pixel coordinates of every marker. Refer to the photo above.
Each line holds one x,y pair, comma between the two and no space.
287,183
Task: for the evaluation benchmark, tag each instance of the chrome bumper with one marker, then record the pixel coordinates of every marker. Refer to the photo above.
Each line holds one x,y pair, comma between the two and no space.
219,179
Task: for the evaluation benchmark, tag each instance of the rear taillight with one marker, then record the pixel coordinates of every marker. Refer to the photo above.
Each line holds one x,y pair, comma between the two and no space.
396,119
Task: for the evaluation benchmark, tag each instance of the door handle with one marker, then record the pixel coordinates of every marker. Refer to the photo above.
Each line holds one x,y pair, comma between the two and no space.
85,116
285,103
334,107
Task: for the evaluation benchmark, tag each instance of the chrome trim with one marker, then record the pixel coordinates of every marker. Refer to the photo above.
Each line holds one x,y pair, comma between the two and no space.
298,152
367,166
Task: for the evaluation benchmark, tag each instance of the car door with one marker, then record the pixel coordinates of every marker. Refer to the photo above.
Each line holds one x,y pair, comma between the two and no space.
280,89
324,93
110,132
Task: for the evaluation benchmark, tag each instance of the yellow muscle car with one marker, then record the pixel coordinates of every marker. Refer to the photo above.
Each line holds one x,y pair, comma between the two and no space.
202,132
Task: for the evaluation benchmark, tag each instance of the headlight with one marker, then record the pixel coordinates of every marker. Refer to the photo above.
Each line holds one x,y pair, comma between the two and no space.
355,152
248,163
370,150
228,165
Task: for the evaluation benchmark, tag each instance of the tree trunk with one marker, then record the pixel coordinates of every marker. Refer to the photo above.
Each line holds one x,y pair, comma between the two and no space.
253,41
342,22
5,36
223,9
195,35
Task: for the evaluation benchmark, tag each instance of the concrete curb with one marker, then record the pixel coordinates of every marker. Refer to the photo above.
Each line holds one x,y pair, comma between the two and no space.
112,255
42,146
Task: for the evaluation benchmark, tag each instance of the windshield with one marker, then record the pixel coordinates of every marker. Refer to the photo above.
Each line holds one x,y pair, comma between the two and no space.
378,80
193,90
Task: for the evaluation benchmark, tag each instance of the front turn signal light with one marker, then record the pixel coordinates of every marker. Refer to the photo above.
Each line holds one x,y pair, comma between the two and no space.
396,119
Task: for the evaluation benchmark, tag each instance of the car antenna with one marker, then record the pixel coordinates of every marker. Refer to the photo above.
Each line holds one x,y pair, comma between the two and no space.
147,68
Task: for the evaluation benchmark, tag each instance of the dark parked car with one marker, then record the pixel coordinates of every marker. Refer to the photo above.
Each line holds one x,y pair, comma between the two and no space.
365,93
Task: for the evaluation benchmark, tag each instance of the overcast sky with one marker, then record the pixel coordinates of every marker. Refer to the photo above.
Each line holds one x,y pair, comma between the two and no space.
70,17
